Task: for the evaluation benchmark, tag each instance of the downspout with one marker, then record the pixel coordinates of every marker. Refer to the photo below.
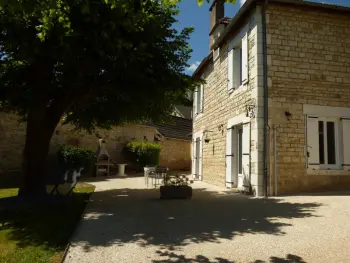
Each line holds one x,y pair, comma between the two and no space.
266,113
275,156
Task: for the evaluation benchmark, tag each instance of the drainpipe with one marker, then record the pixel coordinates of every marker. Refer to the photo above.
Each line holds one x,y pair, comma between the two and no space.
275,156
266,113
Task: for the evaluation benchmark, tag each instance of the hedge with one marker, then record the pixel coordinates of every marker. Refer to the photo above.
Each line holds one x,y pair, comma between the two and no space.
143,153
72,157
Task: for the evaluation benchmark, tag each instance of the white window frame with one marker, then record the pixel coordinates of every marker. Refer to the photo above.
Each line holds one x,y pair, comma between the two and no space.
234,46
338,154
339,114
198,101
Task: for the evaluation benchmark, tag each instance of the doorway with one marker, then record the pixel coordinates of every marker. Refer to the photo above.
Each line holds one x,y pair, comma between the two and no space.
238,156
197,158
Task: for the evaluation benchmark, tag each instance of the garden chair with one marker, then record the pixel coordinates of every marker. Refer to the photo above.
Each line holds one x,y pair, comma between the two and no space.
158,175
67,183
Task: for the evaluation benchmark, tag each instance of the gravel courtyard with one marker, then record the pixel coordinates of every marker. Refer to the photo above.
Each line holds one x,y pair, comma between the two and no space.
126,222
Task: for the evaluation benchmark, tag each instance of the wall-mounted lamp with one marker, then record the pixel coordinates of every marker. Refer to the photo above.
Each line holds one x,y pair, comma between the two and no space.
250,111
206,138
288,115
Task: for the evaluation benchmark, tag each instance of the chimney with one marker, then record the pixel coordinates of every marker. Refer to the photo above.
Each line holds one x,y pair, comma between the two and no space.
217,13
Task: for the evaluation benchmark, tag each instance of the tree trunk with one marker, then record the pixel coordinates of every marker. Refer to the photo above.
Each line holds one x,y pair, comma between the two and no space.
40,127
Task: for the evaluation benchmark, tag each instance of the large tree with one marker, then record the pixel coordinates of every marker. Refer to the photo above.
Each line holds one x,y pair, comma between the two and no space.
96,64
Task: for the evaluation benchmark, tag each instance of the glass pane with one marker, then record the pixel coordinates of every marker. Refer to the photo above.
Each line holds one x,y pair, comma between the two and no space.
240,66
321,141
240,132
331,142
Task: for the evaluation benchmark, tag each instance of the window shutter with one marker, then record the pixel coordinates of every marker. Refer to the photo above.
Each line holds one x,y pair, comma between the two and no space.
236,68
246,155
346,143
312,143
200,157
193,157
245,58
229,153
202,98
195,102
230,70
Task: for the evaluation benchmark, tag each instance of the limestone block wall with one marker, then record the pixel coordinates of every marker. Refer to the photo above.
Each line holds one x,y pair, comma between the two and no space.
12,138
175,154
220,106
308,63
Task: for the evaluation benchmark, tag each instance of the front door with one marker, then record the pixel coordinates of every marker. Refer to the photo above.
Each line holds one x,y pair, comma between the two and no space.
197,159
240,158
231,157
244,157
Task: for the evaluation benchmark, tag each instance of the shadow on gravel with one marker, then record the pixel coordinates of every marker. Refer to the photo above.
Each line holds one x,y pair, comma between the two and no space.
117,217
174,258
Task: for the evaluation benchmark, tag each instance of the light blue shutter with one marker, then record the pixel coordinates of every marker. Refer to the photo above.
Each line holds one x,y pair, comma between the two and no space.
246,155
230,70
346,143
245,58
313,151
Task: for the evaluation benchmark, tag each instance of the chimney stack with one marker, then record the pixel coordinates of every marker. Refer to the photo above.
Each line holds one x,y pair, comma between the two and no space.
217,13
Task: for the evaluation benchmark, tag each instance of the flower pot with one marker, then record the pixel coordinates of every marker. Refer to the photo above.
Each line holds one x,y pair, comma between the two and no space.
175,192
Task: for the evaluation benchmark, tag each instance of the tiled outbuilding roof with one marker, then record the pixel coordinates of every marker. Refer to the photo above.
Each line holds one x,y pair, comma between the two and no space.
178,128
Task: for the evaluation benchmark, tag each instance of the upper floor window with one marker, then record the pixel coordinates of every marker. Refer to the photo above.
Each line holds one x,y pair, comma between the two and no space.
238,64
198,98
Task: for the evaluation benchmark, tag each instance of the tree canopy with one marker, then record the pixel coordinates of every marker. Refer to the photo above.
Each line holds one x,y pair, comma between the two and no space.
116,62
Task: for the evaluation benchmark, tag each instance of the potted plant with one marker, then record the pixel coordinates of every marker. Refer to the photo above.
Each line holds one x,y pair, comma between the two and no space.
176,187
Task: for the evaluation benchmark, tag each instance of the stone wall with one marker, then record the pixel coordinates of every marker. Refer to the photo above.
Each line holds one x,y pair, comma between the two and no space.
175,154
220,106
12,135
309,63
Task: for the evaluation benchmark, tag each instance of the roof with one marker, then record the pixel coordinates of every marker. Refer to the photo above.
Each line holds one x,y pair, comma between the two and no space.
185,111
250,4
180,128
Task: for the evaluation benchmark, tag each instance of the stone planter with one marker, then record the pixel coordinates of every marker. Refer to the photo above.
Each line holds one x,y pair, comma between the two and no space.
175,192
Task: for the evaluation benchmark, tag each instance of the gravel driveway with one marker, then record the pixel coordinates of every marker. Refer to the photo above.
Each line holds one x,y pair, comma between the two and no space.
128,223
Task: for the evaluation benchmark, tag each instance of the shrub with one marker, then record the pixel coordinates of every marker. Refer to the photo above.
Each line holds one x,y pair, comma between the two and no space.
143,153
72,157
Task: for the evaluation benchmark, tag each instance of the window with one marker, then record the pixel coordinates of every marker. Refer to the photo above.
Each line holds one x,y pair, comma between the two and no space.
326,137
238,64
198,100
323,149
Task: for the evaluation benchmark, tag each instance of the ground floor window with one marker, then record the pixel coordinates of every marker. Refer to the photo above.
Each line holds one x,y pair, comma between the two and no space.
327,145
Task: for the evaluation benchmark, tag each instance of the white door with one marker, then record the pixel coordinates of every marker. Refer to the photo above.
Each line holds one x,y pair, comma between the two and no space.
231,157
244,157
197,159
240,158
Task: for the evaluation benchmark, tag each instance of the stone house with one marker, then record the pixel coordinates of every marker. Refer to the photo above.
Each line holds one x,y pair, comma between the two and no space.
274,113
174,138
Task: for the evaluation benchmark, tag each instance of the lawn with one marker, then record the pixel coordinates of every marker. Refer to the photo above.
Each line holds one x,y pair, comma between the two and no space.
42,234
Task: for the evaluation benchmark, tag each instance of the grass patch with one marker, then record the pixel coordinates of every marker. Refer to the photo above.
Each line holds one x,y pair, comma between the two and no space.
42,234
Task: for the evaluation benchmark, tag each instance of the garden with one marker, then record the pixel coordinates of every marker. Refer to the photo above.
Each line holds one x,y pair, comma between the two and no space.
39,230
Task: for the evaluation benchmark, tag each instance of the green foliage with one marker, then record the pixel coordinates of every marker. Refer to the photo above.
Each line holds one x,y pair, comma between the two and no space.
144,153
96,63
40,234
72,157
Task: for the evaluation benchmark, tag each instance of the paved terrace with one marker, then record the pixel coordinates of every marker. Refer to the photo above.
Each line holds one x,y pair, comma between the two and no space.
126,222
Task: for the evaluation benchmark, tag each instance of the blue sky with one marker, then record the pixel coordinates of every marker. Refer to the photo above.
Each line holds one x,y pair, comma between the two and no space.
193,15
